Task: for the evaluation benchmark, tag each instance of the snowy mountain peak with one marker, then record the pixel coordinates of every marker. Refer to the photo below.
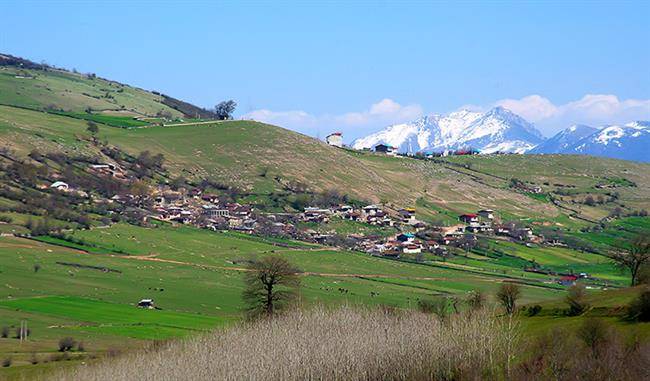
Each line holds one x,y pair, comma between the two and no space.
498,129
628,141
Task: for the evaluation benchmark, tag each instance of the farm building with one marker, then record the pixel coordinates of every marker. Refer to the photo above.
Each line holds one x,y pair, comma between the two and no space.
146,303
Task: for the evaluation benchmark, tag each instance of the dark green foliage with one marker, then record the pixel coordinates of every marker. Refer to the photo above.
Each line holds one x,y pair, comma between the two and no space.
639,308
576,299
66,344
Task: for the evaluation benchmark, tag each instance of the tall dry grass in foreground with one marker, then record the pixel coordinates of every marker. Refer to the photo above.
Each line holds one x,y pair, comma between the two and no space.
340,344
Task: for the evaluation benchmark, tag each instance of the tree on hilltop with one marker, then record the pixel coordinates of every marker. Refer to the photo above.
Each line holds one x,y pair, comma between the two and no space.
225,109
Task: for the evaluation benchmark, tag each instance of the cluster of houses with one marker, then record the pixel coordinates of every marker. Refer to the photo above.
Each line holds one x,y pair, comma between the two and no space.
370,214
203,210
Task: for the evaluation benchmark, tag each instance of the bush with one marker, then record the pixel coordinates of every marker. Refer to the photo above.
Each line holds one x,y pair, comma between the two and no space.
639,308
4,332
593,333
6,363
6,219
576,300
66,344
81,347
534,310
476,300
33,359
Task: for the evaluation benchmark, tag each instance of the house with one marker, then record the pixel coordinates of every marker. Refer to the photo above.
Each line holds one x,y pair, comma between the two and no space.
213,211
568,280
487,214
388,150
407,215
210,197
468,218
392,253
146,303
60,185
371,210
411,249
406,237
335,139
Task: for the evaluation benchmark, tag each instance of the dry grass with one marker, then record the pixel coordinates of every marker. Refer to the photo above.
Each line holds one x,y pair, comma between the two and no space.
342,344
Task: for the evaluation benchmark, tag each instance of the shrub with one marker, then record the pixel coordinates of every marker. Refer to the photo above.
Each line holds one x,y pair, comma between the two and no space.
33,359
593,333
639,308
6,362
4,332
81,347
476,300
534,310
6,219
66,344
576,300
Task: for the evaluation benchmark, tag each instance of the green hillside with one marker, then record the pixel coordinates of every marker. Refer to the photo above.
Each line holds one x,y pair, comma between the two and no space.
85,280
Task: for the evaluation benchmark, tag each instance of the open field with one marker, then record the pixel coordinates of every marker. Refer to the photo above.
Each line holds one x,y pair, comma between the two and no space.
195,277
74,92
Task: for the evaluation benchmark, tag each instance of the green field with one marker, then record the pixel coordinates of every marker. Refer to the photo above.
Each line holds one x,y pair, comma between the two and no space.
88,290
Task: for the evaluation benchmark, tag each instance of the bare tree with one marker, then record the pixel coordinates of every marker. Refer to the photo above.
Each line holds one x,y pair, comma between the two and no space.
271,284
507,295
636,257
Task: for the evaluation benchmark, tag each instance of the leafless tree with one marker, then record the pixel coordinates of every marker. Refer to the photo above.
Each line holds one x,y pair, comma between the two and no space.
507,295
271,284
635,257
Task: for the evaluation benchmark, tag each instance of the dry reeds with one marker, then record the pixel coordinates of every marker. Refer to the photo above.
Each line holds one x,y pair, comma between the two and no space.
341,344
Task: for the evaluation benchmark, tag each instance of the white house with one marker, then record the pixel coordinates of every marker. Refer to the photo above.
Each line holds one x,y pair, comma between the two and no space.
335,139
60,185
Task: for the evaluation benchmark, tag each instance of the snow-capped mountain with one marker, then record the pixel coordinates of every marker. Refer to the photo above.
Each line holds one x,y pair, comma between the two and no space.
629,142
496,130
564,140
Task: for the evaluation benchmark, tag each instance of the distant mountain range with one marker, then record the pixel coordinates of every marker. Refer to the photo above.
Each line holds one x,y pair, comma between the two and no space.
500,130
629,142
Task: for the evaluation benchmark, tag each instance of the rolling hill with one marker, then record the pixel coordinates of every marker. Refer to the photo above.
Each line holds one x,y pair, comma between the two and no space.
84,283
262,159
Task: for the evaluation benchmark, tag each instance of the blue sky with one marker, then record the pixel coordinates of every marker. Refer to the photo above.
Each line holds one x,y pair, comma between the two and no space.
356,67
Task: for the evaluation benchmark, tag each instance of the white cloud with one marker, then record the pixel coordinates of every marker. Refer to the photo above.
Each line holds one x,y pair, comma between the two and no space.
352,124
533,107
592,109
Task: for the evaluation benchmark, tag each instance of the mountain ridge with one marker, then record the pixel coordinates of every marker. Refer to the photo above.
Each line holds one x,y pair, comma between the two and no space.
498,129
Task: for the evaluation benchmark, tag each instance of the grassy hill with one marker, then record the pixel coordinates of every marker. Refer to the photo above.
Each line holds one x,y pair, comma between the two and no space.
262,159
85,286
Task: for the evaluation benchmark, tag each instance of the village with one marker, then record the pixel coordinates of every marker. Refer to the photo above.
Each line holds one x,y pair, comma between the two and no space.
379,230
